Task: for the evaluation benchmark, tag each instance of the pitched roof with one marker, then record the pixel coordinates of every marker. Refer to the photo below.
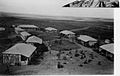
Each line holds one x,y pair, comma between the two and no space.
50,28
19,29
108,47
28,26
66,32
25,33
34,39
86,38
21,48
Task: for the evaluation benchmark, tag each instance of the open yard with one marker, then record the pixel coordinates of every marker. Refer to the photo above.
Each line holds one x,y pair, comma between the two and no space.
63,45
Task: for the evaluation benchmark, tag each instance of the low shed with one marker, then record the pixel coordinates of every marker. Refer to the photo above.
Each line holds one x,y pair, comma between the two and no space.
20,53
24,35
37,42
18,30
28,27
2,29
34,39
86,40
51,29
107,50
68,34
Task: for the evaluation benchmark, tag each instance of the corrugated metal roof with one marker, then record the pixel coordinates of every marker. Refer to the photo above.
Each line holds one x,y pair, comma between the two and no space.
66,32
108,47
50,28
29,26
34,39
25,33
86,38
21,48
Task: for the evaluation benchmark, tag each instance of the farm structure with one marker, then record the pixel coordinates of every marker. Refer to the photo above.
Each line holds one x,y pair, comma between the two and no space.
29,27
68,34
19,54
86,40
107,50
34,39
18,30
50,29
37,42
24,35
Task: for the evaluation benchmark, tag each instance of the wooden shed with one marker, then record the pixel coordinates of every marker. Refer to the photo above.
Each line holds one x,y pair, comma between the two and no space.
18,30
20,54
68,34
28,27
34,39
86,40
51,29
24,35
107,50
37,42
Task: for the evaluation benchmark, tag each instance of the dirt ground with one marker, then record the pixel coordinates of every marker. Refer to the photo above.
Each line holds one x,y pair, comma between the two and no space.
71,65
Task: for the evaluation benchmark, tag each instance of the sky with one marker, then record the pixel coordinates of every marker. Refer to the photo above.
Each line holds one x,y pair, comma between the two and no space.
52,8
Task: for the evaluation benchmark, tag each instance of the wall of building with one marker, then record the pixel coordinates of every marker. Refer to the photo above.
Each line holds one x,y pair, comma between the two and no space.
11,59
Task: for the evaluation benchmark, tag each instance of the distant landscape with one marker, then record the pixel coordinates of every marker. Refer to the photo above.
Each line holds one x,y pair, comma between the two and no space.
97,26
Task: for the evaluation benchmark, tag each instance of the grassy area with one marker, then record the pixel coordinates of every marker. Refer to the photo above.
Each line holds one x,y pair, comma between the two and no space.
97,28
63,45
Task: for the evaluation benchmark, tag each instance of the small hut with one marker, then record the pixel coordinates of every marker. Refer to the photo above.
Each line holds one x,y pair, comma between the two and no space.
29,27
68,34
107,50
37,42
50,29
20,54
18,30
24,35
34,39
86,40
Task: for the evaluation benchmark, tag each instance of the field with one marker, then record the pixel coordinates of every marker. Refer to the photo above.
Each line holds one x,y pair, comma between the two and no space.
63,45
94,28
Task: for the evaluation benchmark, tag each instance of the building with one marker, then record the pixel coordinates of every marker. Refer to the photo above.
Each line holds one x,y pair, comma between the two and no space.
20,54
37,42
18,30
28,27
107,50
86,40
34,39
24,35
51,29
68,34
